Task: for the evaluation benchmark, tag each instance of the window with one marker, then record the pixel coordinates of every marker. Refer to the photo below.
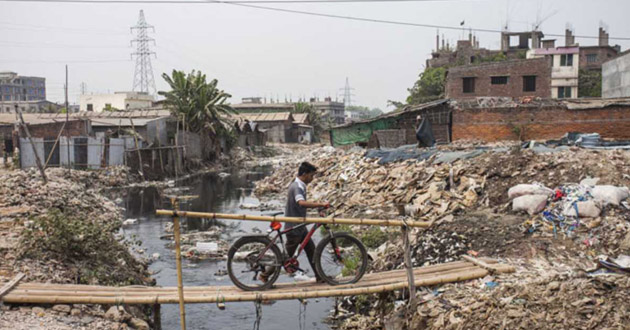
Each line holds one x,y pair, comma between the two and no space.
502,80
469,85
529,83
90,107
591,58
566,60
564,92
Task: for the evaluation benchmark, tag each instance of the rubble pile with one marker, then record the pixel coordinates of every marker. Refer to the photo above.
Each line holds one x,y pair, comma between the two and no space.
25,192
560,302
39,221
446,181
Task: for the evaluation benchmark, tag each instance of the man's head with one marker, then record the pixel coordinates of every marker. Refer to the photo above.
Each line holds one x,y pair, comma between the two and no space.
306,172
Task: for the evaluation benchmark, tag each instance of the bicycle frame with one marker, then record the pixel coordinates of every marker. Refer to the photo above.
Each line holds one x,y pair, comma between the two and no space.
302,245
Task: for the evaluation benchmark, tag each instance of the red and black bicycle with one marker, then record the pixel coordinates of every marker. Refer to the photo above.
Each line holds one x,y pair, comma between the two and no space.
255,261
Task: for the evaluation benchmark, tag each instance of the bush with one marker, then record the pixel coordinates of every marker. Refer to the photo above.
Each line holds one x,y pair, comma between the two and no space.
374,237
90,247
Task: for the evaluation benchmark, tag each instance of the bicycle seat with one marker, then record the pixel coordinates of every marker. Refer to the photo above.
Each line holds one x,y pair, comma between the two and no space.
273,214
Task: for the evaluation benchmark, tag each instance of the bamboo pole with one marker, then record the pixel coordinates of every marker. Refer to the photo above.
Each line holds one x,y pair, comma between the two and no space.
30,139
409,268
225,290
212,297
178,262
373,222
11,284
54,146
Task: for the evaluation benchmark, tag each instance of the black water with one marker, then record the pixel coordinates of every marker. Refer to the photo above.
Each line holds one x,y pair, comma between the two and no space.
216,194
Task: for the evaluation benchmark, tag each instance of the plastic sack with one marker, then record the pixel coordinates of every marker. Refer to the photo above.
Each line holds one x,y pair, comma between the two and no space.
532,204
528,189
610,194
587,209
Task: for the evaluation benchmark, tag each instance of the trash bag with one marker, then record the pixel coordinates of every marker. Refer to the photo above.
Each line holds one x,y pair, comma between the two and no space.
424,134
610,194
587,209
532,204
528,189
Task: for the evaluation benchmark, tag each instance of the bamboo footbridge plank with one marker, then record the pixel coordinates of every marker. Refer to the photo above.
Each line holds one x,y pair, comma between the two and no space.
371,283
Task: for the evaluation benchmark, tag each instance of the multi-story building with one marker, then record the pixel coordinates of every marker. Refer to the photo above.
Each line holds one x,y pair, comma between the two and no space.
116,101
21,88
329,109
512,78
565,69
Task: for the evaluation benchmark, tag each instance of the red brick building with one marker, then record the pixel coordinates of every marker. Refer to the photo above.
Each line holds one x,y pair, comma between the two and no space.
513,78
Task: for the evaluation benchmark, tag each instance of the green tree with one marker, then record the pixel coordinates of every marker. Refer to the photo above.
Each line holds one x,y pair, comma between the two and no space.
429,87
590,83
201,103
367,112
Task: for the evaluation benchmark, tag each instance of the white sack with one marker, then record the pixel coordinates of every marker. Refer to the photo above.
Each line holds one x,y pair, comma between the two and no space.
528,189
532,204
610,194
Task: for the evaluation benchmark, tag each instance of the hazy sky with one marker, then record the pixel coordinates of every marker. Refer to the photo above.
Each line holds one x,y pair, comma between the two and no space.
255,52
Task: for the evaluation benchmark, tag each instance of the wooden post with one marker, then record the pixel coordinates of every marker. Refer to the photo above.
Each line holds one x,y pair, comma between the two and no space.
409,267
157,317
135,138
178,262
30,139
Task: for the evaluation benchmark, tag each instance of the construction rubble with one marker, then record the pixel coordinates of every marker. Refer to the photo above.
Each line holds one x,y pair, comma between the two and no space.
65,231
470,192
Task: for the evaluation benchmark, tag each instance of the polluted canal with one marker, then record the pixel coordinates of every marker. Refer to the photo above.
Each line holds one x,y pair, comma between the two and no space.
219,193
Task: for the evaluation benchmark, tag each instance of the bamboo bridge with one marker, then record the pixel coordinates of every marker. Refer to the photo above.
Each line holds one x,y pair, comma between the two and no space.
406,278
41,293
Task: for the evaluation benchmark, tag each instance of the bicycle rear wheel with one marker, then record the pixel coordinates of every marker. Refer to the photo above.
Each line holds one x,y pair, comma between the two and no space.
249,268
341,259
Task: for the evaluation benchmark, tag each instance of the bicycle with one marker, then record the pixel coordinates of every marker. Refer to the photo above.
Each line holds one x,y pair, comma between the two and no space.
340,258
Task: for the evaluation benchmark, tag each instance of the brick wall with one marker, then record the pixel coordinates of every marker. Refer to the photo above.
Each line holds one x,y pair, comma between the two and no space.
51,130
513,69
603,54
539,123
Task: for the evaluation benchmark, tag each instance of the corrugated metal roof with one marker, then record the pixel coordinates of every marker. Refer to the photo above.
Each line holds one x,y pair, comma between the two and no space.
126,122
409,108
263,117
149,113
300,118
30,119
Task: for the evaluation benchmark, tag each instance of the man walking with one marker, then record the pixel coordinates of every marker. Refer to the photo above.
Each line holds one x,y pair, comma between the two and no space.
297,204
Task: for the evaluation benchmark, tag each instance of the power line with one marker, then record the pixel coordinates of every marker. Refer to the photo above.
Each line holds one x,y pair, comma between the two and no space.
62,61
252,4
51,45
230,1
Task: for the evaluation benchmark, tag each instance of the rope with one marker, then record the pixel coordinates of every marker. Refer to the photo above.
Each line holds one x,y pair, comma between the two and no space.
258,304
302,314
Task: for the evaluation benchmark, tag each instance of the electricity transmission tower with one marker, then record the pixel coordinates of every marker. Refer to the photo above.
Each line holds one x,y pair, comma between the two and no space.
143,76
347,94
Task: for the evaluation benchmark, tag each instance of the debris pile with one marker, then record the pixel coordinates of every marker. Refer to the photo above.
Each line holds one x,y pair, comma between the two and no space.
40,221
560,302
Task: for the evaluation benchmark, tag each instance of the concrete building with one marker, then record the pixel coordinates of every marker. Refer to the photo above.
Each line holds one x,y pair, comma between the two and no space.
40,106
21,88
616,77
565,69
592,57
256,105
330,109
512,78
116,101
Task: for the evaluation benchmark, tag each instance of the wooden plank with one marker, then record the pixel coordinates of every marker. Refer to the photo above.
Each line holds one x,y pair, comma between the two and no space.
7,287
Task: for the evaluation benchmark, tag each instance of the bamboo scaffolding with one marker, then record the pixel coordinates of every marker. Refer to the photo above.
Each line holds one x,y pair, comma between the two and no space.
332,220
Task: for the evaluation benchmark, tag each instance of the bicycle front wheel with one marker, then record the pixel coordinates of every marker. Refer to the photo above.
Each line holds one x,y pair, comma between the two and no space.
254,263
341,259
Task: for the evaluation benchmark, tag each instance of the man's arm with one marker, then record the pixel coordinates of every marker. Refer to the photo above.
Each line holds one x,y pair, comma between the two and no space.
312,205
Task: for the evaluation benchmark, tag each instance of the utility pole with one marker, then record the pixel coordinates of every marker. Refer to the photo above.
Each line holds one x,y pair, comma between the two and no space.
143,77
67,119
83,88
